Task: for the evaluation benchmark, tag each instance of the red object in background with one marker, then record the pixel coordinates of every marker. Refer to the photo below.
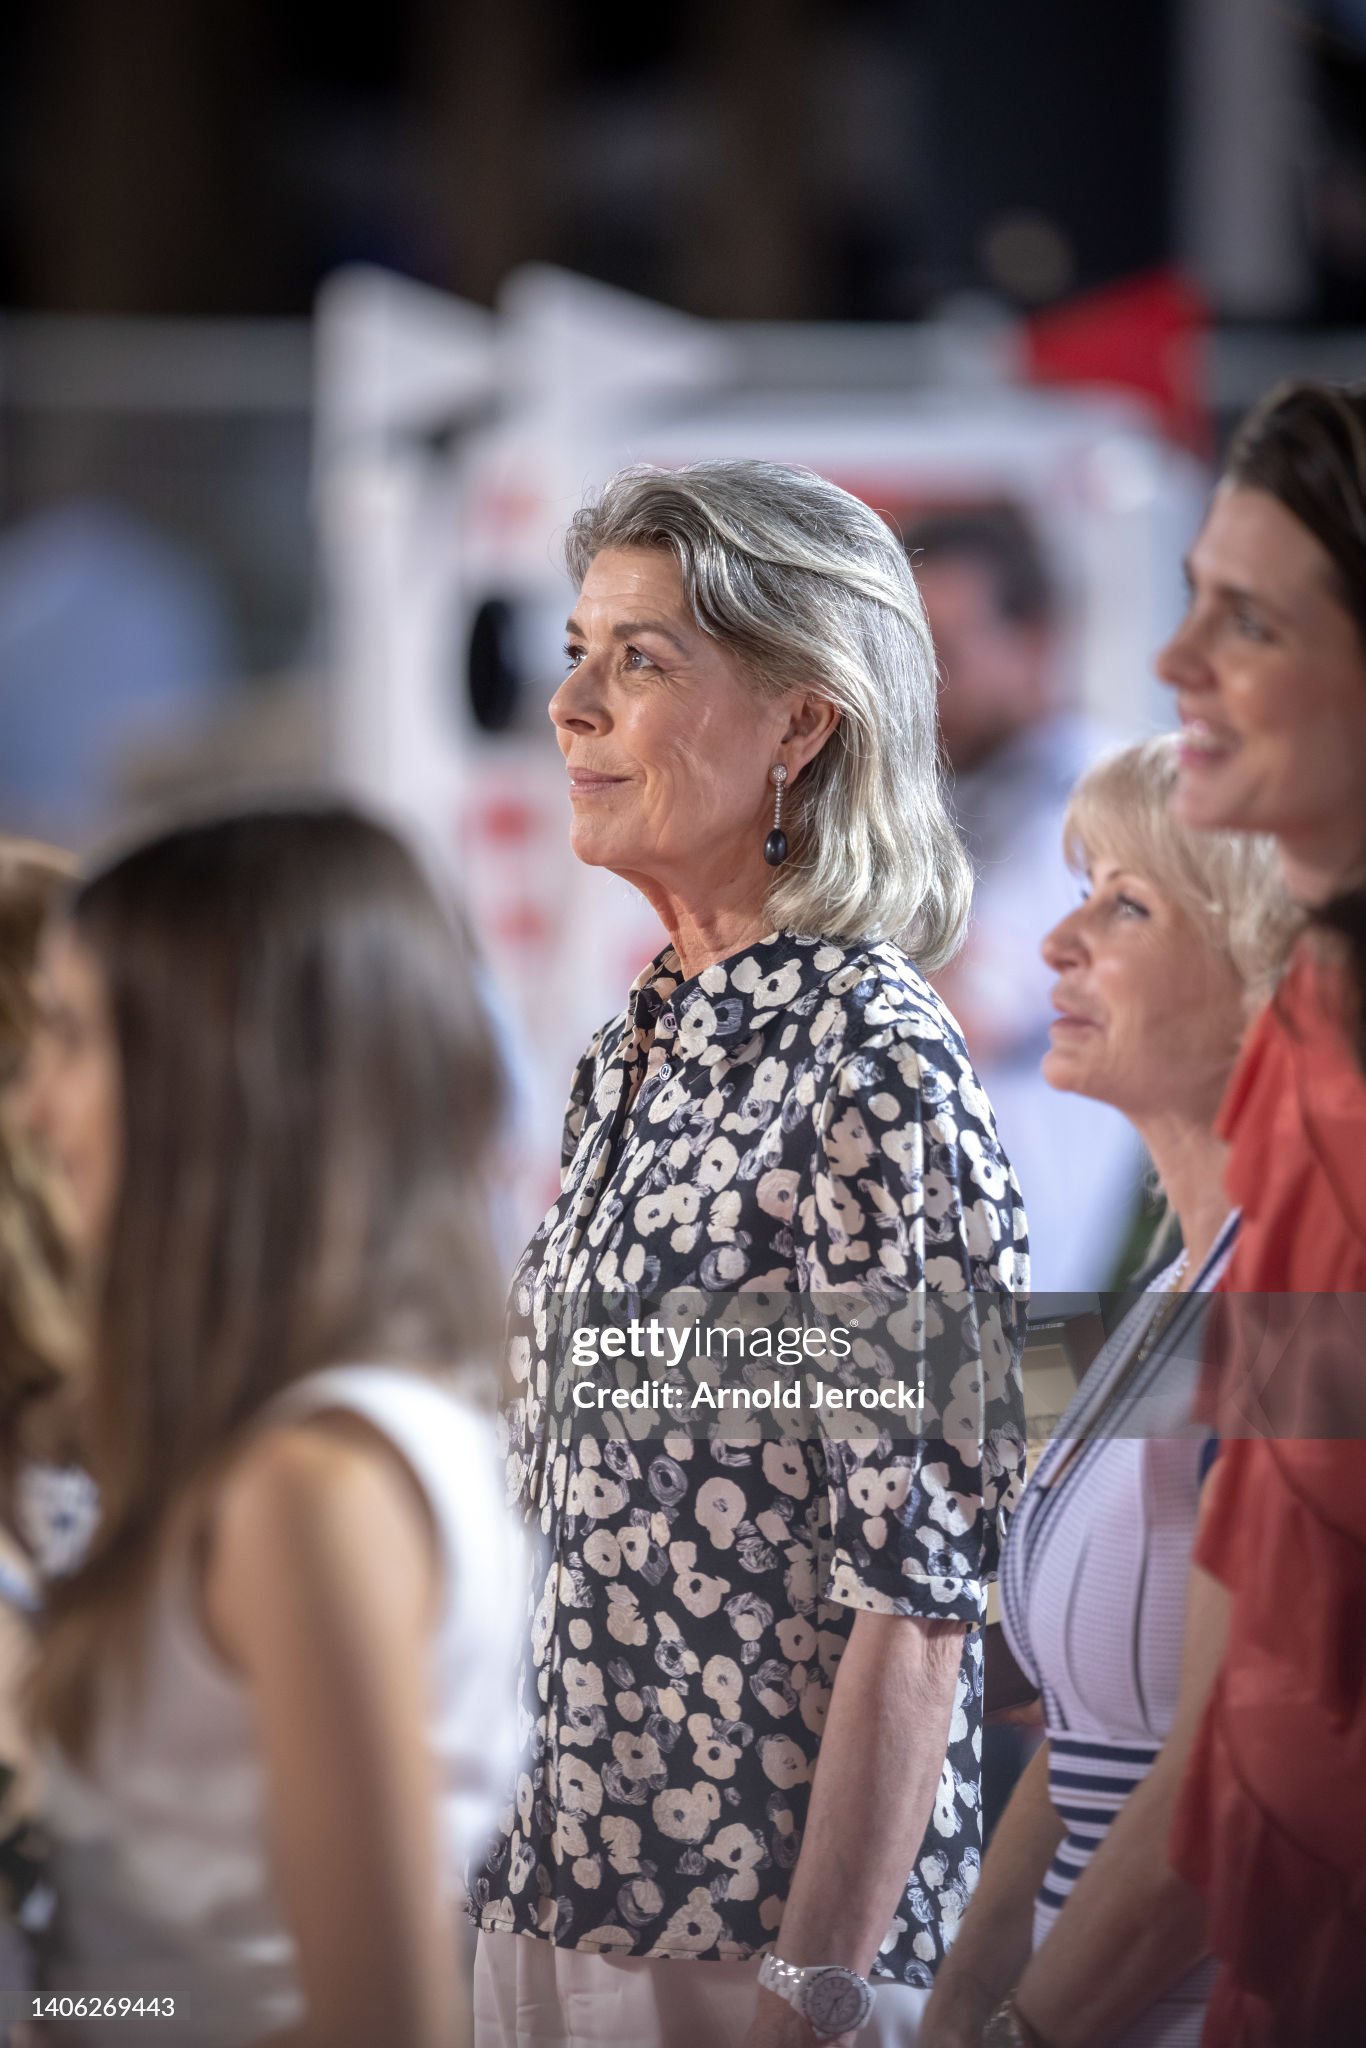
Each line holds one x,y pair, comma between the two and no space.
508,820
521,924
1148,335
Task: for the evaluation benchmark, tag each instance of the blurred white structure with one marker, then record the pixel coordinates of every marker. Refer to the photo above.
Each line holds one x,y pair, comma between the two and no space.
452,448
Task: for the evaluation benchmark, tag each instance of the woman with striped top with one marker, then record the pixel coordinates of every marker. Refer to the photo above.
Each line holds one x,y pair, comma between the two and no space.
1157,970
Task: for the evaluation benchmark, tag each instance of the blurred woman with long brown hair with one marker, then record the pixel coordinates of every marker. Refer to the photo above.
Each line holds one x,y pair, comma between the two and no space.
272,1697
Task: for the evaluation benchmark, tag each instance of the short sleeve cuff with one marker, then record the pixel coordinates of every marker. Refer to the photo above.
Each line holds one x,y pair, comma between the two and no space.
909,1591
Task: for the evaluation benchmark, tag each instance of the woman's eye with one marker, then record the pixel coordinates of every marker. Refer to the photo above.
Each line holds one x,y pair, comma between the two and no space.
572,657
1250,626
632,658
1130,906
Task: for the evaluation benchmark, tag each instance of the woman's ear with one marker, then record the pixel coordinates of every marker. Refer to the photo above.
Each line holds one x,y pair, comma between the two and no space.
811,720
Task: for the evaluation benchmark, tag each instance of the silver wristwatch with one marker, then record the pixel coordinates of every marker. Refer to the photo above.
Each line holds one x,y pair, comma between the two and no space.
831,1999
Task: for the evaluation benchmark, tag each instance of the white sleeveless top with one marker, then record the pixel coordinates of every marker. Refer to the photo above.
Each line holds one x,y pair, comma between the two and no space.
161,1863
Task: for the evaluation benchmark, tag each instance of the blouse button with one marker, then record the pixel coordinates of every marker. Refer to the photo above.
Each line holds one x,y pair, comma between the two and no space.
667,1019
665,1071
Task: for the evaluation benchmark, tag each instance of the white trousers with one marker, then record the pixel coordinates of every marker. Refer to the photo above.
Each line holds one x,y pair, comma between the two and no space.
530,1994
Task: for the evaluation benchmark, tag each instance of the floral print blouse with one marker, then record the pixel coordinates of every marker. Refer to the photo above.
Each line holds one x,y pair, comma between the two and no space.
801,1116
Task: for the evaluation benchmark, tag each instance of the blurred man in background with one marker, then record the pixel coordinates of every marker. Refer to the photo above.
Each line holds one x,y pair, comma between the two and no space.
116,645
1014,753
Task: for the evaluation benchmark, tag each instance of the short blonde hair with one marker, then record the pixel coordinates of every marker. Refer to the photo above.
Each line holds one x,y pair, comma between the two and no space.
804,584
1230,882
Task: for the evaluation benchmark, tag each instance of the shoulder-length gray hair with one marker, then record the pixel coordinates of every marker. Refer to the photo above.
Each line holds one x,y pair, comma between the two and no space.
806,586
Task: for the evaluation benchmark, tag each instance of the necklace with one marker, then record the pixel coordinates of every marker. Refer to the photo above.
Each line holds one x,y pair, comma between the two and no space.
1165,1304
1164,1308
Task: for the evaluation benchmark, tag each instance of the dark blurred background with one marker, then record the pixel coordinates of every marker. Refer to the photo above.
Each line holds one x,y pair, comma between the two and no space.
769,159
868,160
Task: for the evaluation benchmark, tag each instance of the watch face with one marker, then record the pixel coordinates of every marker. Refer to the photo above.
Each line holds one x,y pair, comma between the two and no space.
836,2000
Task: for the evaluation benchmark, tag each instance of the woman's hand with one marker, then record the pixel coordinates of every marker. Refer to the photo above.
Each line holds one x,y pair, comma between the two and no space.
776,2024
944,2032
879,1765
1131,1927
993,1943
942,2027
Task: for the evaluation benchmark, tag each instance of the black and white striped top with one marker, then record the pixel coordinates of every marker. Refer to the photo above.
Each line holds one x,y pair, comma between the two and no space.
1093,1586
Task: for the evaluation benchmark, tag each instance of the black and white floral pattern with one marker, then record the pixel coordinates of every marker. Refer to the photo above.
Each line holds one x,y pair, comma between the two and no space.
801,1116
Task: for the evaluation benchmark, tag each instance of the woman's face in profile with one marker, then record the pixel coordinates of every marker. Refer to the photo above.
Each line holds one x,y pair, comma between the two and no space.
1270,675
69,1097
667,747
1148,1015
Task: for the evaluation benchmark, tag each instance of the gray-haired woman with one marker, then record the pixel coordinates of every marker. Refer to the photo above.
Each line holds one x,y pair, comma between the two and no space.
752,1692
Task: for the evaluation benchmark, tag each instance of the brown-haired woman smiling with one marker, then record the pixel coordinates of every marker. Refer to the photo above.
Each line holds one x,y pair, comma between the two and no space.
272,1696
1269,670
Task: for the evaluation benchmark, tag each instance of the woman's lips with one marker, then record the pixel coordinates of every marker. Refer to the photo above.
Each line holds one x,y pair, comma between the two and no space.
1202,745
1072,1020
586,782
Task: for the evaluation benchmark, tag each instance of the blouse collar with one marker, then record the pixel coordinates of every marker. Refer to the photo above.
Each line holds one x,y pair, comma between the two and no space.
737,992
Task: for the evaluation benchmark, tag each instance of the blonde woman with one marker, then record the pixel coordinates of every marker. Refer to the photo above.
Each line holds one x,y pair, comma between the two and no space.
1080,1932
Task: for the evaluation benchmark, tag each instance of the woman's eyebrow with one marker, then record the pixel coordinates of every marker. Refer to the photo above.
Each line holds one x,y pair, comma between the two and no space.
1236,593
629,628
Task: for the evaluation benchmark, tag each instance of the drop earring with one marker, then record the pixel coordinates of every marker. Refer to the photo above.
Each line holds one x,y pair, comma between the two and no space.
775,846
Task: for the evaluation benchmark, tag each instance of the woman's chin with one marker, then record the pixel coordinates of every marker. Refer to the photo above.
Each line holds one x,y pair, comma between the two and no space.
589,844
1063,1071
628,854
1070,1077
1205,801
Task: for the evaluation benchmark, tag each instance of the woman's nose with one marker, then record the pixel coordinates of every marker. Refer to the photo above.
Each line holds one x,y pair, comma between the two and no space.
1065,945
1182,663
576,706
